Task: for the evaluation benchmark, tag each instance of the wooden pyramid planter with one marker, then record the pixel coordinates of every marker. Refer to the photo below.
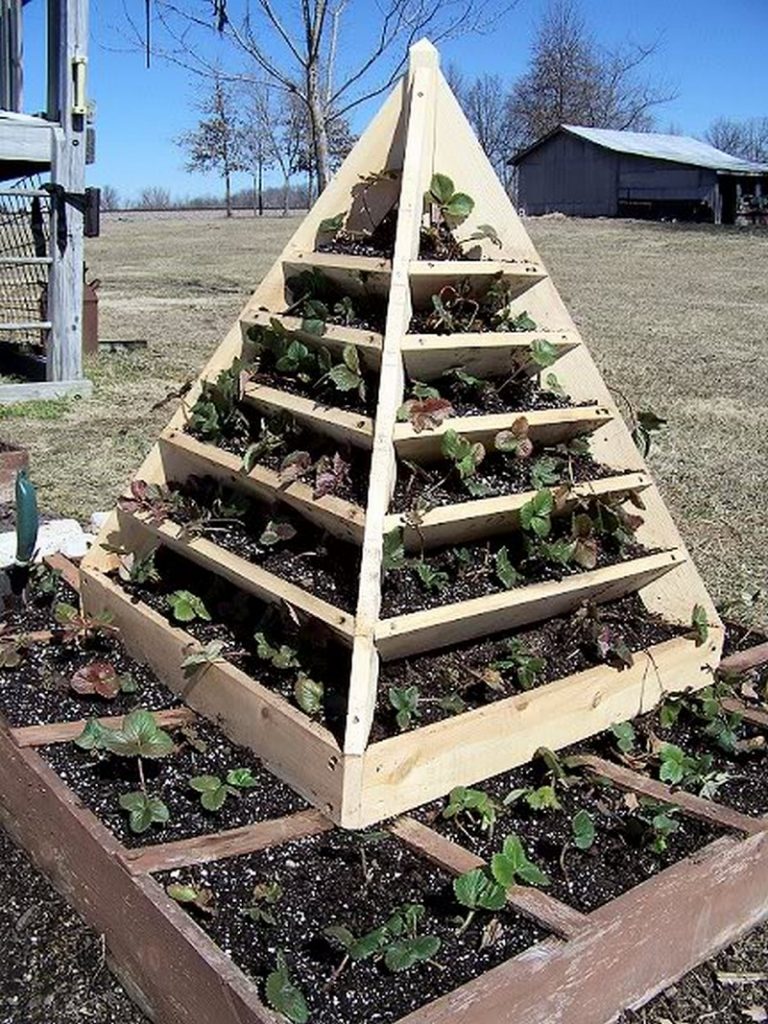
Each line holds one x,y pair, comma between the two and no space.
420,131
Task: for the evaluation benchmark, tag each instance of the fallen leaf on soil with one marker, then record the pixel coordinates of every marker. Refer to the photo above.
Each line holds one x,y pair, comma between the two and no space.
631,801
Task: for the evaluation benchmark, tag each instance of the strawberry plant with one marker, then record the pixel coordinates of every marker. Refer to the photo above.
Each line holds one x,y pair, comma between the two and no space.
216,416
191,896
527,667
398,942
283,995
187,607
214,791
77,626
472,806
486,888
142,738
264,898
101,679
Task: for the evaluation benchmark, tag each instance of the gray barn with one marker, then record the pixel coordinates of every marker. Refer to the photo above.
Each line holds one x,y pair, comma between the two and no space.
599,172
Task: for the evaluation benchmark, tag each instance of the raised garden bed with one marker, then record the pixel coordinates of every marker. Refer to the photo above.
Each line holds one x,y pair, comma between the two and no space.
271,888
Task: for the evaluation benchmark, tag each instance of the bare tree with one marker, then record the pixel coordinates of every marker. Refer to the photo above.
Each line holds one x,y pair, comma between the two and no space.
215,144
108,197
306,47
747,139
571,79
486,104
154,197
275,121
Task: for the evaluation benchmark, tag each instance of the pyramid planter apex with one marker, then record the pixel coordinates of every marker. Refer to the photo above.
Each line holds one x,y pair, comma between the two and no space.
434,463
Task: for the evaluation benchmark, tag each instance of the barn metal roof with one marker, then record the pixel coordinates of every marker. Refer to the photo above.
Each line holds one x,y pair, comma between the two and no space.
681,149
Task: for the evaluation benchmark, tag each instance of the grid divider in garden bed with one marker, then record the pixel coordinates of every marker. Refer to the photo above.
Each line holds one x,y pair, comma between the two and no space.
418,145
592,965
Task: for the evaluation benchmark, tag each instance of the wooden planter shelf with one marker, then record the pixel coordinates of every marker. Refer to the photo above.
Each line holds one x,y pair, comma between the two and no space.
545,427
345,427
334,338
484,517
419,131
427,356
587,969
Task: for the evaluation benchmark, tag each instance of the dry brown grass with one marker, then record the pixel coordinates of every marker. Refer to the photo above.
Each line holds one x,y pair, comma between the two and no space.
673,315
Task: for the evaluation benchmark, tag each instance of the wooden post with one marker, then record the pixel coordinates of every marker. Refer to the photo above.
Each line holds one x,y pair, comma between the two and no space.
69,26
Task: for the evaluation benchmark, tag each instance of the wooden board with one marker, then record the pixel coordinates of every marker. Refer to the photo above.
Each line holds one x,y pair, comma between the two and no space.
347,427
485,517
428,356
432,628
334,338
341,518
545,427
420,765
302,753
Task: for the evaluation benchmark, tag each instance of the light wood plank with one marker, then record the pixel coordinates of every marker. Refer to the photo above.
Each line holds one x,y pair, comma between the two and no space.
546,427
244,574
299,751
428,277
407,770
346,427
407,634
485,517
485,354
335,337
341,518
415,180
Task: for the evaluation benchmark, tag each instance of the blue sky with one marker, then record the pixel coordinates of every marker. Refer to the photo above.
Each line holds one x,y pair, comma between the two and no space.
712,52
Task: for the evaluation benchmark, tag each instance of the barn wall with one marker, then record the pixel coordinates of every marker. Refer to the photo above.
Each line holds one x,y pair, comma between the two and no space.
642,178
569,175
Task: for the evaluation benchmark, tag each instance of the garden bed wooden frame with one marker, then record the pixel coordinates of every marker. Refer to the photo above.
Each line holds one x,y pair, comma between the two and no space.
593,965
419,130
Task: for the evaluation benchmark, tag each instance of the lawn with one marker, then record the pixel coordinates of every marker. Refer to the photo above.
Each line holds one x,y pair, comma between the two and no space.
674,314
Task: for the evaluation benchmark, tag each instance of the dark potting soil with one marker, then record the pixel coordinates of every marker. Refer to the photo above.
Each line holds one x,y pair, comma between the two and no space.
475,576
380,242
498,394
235,619
325,397
100,780
420,486
312,559
746,786
620,858
565,643
38,692
354,490
341,879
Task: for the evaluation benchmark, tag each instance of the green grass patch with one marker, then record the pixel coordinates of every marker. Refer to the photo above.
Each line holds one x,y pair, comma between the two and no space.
37,409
